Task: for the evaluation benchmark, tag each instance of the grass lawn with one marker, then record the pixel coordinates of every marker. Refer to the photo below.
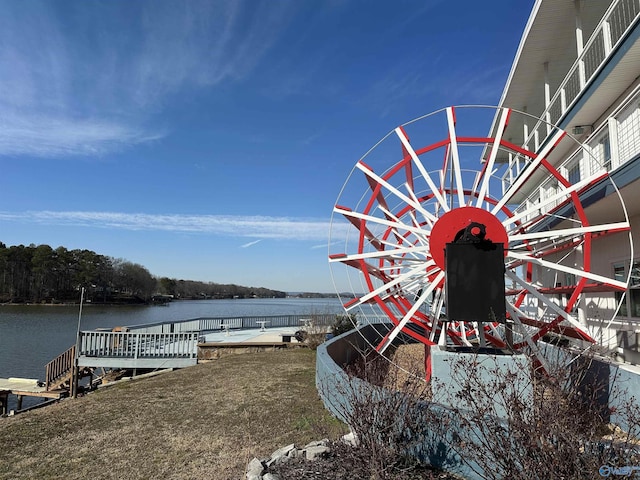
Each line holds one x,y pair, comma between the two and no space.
200,422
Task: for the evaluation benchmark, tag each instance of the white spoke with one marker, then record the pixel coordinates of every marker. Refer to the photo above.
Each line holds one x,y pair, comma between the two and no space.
534,348
387,243
392,245
552,306
412,213
529,170
423,171
391,216
463,332
423,240
419,270
566,232
492,157
552,198
575,271
369,173
436,306
385,254
413,259
493,329
425,294
381,221
543,246
455,157
445,167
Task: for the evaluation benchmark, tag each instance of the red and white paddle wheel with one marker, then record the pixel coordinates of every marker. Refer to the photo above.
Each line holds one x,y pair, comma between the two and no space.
430,178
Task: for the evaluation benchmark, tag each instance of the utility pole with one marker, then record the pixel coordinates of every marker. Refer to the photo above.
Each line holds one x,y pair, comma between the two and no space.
76,368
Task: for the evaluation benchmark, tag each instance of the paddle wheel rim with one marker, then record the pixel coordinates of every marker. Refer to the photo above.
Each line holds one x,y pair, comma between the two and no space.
392,250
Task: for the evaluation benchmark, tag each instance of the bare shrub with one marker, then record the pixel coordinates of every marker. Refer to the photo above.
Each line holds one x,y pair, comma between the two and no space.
564,433
489,421
388,409
315,333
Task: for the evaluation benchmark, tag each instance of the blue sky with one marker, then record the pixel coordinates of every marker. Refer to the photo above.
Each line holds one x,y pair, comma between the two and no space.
209,140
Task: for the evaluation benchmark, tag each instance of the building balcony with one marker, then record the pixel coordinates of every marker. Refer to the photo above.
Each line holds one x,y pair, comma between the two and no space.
608,64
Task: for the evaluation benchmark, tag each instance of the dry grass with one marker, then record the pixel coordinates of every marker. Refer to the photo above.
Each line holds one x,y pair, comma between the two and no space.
201,422
408,368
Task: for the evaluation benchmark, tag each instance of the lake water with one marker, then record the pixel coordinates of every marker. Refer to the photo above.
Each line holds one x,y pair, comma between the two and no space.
33,335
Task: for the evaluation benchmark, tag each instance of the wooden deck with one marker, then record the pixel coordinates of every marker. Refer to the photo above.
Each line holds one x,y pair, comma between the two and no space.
24,387
175,344
137,350
156,346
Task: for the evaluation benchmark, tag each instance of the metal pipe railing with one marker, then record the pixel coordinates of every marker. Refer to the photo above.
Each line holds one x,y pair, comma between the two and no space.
211,324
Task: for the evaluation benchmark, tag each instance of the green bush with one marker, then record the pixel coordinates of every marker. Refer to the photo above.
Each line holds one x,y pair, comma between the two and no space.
343,324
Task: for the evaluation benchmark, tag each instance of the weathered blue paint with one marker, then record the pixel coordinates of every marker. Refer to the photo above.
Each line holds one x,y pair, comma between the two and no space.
619,383
449,371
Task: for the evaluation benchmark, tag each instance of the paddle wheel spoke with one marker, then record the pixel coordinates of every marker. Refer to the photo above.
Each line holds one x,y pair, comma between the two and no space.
406,201
487,169
442,203
521,180
457,187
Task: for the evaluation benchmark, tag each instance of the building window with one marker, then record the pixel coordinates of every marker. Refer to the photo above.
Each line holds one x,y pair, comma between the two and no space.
631,305
605,145
629,132
573,172
601,153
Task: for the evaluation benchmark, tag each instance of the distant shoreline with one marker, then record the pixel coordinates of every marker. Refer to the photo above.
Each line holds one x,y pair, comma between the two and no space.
148,304
77,304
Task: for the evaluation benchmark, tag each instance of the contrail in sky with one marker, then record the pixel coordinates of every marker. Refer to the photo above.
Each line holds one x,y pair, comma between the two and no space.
229,225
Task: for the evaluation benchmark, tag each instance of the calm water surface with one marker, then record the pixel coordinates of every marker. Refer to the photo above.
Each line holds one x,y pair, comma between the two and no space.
33,335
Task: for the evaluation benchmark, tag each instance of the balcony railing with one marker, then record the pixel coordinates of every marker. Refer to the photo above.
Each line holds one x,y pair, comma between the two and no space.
621,18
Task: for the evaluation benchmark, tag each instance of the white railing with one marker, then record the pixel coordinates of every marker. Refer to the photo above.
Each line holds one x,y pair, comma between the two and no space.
550,187
589,162
179,339
618,20
138,345
211,324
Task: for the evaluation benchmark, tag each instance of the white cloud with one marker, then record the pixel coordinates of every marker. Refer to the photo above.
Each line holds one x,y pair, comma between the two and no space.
250,244
237,226
43,136
92,78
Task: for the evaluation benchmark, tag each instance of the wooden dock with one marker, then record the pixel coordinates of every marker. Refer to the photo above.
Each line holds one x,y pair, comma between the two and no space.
133,350
24,387
158,346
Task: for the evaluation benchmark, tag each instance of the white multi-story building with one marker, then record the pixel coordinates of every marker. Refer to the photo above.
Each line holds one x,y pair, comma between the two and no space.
578,67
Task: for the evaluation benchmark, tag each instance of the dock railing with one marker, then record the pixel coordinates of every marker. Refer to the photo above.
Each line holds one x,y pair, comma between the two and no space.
59,366
138,345
172,344
212,324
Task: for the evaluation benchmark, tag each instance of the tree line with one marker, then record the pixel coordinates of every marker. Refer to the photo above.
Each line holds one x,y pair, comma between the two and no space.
41,274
